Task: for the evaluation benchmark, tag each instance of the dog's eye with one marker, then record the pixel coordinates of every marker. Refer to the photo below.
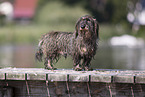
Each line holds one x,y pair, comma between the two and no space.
87,19
87,26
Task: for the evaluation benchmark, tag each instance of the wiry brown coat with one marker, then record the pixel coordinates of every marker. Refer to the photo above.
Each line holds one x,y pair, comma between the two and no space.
81,45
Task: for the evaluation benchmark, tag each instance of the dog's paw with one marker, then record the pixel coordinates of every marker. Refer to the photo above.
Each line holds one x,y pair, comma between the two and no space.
50,68
88,69
78,68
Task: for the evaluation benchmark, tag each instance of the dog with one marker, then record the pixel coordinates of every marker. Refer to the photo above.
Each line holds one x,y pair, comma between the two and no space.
80,44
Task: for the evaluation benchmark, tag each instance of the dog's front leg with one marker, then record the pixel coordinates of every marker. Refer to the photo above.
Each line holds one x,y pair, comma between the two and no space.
48,64
86,64
77,65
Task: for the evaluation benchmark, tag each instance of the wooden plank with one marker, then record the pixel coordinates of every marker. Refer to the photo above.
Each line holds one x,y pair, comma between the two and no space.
78,78
71,89
36,76
57,89
140,79
106,76
101,78
57,77
15,76
100,90
78,89
2,76
123,79
7,92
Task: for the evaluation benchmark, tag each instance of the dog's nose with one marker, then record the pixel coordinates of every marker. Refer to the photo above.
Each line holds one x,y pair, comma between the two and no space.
83,26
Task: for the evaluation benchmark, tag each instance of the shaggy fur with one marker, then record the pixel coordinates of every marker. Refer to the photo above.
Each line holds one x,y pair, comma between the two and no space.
81,45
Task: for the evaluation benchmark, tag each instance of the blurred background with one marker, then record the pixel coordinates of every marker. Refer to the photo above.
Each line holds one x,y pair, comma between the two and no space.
122,30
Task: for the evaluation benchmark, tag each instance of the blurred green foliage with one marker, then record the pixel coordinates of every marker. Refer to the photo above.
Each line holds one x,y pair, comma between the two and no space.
112,11
61,15
57,13
53,15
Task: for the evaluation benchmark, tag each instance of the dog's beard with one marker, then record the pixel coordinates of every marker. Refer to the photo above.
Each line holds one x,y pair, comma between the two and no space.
85,34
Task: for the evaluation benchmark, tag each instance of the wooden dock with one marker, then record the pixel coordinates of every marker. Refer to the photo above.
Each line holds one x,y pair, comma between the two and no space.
38,82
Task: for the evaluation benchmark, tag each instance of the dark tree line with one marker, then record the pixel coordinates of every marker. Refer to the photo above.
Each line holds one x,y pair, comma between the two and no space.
104,10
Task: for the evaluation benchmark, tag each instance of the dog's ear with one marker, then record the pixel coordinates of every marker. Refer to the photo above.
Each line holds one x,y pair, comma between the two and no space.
77,28
76,34
96,28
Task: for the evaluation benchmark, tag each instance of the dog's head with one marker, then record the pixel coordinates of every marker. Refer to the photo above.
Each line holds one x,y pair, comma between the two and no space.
87,27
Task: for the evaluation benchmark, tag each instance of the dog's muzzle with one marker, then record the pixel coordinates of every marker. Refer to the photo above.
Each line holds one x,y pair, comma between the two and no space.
84,27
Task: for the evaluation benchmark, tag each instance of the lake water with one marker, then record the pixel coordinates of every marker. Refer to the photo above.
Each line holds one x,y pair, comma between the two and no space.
107,57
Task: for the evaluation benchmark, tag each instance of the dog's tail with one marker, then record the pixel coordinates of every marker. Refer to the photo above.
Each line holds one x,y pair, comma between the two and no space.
39,53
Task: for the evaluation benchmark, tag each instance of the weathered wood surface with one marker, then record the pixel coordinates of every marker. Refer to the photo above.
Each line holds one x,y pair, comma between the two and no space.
100,75
38,82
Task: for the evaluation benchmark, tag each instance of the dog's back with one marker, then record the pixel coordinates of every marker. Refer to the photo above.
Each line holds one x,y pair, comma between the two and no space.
53,44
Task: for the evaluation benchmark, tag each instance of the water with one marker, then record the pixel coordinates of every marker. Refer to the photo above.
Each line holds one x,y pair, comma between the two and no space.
107,57
17,56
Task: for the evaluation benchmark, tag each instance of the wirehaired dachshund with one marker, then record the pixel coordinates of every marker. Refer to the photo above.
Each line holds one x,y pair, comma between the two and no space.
80,44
